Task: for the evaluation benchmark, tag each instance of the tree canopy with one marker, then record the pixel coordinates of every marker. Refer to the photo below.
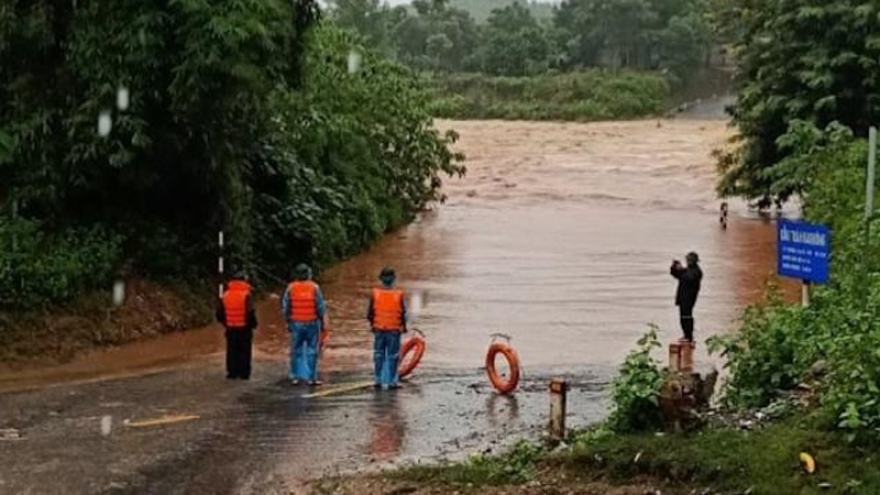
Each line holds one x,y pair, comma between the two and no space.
510,40
807,60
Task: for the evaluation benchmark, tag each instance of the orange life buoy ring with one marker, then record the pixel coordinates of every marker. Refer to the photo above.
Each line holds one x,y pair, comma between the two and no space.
503,386
415,344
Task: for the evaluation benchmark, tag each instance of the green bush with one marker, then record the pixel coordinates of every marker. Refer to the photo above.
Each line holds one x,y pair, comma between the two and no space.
580,96
357,152
635,393
37,269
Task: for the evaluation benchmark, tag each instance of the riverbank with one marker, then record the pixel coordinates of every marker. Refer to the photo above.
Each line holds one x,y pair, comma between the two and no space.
45,338
716,461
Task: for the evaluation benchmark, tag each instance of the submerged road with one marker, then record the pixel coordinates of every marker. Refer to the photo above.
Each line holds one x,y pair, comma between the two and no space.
561,236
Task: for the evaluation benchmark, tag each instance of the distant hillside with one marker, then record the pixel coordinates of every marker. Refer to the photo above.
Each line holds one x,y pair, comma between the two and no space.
480,9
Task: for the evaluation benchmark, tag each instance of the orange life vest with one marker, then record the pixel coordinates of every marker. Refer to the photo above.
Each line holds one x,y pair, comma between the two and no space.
303,301
235,303
387,310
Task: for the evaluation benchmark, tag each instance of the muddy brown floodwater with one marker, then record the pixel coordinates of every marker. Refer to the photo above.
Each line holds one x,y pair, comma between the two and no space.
560,236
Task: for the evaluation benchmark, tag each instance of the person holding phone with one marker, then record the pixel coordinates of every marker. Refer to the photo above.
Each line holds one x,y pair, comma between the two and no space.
690,278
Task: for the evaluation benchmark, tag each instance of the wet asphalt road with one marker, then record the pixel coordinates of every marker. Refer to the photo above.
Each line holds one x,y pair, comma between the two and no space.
262,436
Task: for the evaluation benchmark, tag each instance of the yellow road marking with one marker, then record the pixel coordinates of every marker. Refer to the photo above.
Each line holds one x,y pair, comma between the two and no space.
165,420
342,389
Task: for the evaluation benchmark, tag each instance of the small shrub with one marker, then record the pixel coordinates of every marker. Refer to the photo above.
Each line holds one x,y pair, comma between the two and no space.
770,353
636,392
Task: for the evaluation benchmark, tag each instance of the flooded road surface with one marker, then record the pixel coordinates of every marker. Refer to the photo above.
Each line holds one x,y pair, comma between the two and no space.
561,236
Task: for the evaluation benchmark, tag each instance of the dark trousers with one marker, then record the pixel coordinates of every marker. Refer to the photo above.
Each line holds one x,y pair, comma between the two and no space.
238,352
687,322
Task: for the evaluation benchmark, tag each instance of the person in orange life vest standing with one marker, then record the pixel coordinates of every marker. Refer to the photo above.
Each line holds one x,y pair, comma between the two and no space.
387,316
236,313
304,310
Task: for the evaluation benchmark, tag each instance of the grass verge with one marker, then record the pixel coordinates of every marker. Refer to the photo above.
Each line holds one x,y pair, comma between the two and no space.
732,461
717,461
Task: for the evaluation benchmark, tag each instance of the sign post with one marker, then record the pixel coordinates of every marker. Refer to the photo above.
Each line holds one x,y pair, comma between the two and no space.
869,198
803,252
872,164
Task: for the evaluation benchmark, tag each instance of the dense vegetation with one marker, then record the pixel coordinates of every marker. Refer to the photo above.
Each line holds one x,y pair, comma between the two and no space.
584,96
437,35
235,115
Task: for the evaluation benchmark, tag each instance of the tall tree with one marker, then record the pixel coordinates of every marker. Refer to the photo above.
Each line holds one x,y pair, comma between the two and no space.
437,37
808,60
641,34
514,44
369,18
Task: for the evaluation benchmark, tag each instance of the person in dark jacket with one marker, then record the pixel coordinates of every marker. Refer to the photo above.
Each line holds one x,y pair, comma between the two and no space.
689,279
236,312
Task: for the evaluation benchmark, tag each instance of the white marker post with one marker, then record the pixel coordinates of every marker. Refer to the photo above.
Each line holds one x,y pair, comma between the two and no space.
220,261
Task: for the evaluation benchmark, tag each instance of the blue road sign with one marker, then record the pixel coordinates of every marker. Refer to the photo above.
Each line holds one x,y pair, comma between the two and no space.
803,251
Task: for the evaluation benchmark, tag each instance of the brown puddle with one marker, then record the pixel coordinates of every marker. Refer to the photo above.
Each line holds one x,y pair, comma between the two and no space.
561,236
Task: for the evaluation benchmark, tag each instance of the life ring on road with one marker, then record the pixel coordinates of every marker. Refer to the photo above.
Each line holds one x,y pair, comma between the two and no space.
416,344
502,385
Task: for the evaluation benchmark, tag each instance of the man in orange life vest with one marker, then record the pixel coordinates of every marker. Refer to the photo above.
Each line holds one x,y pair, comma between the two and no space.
304,310
387,316
236,313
